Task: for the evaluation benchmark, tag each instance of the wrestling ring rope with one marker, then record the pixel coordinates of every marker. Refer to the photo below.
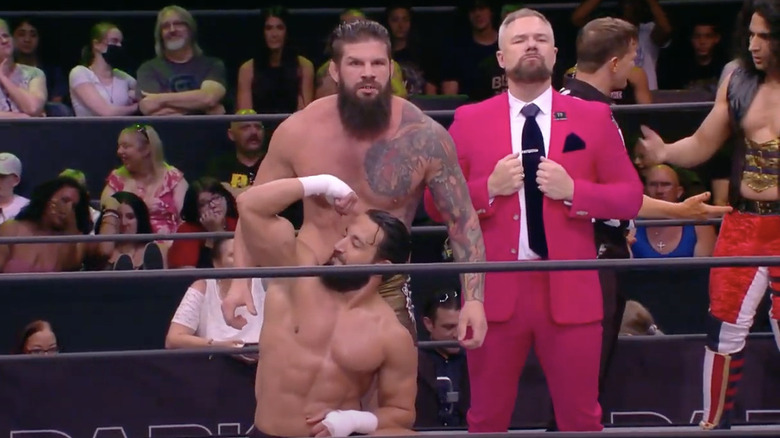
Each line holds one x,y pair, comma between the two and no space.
419,230
752,430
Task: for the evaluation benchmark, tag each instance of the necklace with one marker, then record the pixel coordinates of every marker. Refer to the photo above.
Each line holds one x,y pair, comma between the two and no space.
109,89
660,244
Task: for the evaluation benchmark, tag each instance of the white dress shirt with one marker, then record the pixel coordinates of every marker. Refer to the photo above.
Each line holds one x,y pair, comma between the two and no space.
517,121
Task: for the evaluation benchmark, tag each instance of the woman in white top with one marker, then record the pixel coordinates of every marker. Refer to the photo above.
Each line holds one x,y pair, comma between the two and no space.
198,322
99,87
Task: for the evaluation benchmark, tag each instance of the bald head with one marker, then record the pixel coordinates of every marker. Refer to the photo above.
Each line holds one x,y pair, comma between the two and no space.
663,182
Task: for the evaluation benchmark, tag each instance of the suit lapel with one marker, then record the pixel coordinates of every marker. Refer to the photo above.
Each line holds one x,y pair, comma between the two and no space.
500,115
559,127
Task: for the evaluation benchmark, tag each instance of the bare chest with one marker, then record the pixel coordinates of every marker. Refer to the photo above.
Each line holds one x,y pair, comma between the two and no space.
320,339
385,174
762,121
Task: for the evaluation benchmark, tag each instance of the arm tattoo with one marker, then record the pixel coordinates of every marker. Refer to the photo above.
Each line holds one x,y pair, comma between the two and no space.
422,146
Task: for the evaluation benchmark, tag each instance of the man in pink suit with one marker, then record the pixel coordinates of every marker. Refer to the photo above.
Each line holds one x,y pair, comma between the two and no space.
540,166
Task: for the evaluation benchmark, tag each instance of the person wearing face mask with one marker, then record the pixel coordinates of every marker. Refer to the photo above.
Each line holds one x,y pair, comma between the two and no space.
98,87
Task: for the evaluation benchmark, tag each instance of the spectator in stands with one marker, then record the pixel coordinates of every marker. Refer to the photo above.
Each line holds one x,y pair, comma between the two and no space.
637,321
27,51
699,64
662,182
98,87
440,316
57,207
460,70
277,79
79,176
10,177
133,219
408,51
181,79
655,30
489,70
324,83
208,207
37,337
236,170
145,173
198,322
22,88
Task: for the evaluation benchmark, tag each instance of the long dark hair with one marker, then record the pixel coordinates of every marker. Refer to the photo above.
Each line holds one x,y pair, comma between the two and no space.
191,213
769,11
139,208
273,93
413,40
41,195
396,246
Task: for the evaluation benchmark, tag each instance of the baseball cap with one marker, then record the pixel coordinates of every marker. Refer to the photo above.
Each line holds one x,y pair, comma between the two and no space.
10,165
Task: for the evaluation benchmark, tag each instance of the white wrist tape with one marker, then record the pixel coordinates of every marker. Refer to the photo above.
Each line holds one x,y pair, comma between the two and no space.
345,423
327,185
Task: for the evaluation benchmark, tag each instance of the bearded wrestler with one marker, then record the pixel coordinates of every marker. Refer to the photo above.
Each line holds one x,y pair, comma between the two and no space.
388,151
325,340
745,107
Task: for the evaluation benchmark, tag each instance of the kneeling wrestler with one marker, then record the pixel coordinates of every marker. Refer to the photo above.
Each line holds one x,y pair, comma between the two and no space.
326,340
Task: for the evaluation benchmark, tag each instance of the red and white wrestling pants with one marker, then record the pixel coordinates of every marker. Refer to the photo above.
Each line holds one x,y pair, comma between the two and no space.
735,293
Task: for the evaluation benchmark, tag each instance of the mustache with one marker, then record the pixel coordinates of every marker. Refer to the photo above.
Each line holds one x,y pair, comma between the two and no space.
368,82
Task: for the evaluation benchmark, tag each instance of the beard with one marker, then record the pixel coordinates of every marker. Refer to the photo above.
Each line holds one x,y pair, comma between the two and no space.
365,117
343,283
175,44
527,74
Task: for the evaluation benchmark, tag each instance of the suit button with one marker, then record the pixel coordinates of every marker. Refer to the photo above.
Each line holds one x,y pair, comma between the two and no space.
516,217
513,251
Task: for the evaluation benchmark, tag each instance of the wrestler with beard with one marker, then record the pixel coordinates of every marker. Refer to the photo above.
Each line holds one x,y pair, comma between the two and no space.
326,340
388,151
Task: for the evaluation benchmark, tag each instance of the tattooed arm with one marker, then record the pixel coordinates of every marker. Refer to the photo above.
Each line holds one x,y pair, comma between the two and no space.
451,196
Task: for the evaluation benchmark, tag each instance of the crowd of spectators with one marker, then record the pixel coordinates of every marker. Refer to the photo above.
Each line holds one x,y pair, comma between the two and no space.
147,195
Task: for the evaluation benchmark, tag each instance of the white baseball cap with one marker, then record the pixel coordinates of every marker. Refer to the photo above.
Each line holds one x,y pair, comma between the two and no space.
10,164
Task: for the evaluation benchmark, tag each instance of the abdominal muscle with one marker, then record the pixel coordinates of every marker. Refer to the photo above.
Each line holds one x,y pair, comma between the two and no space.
290,393
306,374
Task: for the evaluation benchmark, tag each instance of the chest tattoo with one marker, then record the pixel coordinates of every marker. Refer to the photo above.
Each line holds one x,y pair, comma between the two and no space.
392,165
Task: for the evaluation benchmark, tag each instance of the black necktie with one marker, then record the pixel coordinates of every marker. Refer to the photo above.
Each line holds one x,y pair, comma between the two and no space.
533,151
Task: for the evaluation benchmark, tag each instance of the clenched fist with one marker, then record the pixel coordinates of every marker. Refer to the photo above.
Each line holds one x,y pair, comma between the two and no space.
507,176
554,181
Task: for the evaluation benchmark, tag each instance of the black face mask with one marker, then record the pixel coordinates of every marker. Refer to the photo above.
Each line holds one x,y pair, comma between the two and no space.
116,57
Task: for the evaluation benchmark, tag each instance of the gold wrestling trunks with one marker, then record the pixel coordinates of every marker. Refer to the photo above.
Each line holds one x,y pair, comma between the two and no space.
762,164
397,294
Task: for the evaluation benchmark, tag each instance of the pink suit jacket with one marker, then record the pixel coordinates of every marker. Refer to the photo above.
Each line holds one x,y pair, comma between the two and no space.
606,186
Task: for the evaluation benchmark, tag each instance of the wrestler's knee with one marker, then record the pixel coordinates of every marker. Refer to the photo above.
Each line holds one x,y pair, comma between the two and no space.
725,337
